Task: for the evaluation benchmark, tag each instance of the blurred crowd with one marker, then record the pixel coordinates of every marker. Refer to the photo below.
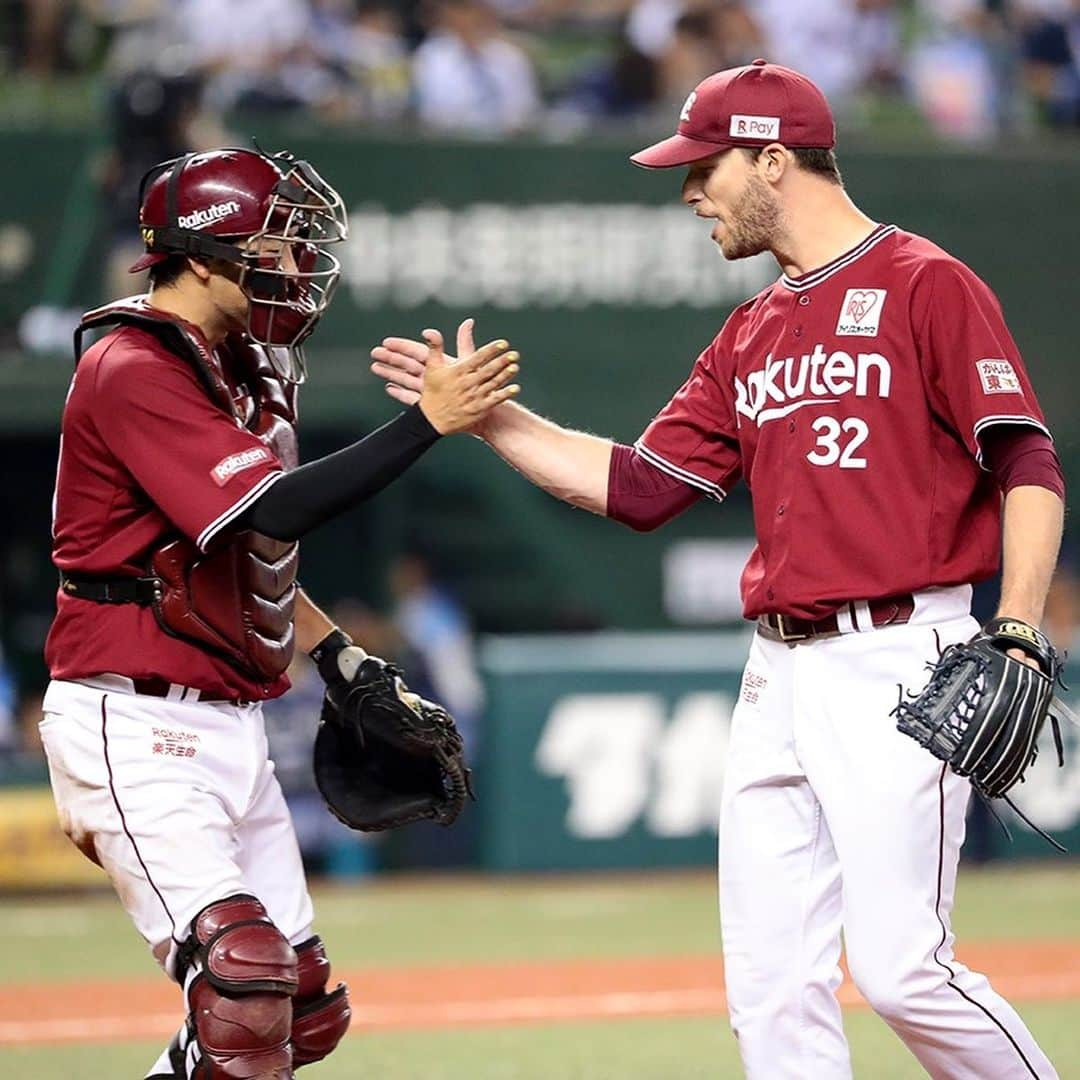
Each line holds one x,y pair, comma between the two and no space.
968,68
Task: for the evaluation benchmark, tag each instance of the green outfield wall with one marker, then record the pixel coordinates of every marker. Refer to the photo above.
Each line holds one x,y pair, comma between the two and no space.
608,751
597,751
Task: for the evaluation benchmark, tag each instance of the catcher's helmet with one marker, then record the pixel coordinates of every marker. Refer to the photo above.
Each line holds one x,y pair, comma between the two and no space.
255,210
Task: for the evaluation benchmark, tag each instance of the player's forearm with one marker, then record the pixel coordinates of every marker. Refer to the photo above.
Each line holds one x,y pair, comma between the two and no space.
312,624
1031,539
571,465
308,496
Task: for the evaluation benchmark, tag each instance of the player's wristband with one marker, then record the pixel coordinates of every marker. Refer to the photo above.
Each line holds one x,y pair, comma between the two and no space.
325,654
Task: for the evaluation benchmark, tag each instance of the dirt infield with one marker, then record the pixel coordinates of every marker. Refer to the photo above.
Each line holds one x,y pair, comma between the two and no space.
488,994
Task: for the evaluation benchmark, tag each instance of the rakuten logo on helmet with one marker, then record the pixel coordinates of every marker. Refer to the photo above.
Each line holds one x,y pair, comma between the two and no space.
789,384
228,467
209,215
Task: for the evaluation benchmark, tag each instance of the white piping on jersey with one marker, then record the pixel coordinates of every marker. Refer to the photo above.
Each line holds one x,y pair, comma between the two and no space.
816,277
991,421
776,414
714,491
236,509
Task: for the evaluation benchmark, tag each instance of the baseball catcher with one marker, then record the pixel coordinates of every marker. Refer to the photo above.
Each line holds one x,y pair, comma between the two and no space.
384,756
983,708
179,507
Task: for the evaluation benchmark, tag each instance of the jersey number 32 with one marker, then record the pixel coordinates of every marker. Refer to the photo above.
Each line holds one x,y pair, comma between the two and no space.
837,442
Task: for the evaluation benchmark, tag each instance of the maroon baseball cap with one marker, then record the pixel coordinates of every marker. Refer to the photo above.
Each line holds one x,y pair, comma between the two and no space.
755,105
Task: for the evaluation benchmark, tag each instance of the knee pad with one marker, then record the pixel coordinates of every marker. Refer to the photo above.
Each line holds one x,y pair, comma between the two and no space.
241,975
320,1019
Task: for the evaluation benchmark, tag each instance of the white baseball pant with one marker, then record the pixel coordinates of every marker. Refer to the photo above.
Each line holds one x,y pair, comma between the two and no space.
178,801
832,821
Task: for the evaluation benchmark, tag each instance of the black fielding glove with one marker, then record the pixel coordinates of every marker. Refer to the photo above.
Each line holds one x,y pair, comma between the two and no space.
384,756
982,710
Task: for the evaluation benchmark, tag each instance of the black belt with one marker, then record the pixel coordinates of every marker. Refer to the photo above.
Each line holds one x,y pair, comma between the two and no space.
143,591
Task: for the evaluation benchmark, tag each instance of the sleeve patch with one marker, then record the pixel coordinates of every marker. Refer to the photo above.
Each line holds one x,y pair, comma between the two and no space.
228,467
998,377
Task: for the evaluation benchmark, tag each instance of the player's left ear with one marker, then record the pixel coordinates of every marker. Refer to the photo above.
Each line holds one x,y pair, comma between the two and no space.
200,269
773,161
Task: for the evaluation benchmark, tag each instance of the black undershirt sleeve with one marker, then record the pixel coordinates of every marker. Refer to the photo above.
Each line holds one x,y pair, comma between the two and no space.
310,495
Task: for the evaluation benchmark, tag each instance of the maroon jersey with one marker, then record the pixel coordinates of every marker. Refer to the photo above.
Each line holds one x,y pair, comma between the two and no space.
852,400
144,455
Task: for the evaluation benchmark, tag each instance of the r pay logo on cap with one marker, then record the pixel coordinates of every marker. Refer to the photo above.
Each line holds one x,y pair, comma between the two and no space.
860,312
755,127
688,104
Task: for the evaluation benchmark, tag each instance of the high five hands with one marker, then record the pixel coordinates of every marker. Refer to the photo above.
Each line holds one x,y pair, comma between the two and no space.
455,394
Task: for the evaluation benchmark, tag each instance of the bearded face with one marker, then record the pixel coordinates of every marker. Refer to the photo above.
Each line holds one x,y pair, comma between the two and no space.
753,223
727,188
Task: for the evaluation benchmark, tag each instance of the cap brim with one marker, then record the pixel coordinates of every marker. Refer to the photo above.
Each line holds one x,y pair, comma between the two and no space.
148,259
678,150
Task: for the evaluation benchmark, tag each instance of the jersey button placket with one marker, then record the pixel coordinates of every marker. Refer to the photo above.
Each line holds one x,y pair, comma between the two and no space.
781,518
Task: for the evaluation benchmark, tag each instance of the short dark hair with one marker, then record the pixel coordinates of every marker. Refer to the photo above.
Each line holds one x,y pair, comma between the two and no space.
172,268
168,271
819,160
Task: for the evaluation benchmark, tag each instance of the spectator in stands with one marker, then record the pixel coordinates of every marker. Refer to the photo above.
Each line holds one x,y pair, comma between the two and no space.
1051,52
152,116
840,44
468,77
9,729
362,44
622,85
955,75
39,24
436,629
255,54
650,25
707,37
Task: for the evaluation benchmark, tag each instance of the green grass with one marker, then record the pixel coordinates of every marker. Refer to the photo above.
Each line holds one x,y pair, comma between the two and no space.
626,1049
1026,902
407,922
434,921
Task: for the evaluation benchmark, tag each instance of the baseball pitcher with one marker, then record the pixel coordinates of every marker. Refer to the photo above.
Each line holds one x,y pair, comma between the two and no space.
877,407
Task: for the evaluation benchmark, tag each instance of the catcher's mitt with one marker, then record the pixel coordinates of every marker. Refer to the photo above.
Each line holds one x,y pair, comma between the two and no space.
982,710
386,757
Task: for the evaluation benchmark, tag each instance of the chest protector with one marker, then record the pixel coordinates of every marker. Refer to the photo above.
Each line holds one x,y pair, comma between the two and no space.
238,599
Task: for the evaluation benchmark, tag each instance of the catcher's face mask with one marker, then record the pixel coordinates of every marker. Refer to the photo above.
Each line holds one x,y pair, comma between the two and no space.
273,216
288,275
